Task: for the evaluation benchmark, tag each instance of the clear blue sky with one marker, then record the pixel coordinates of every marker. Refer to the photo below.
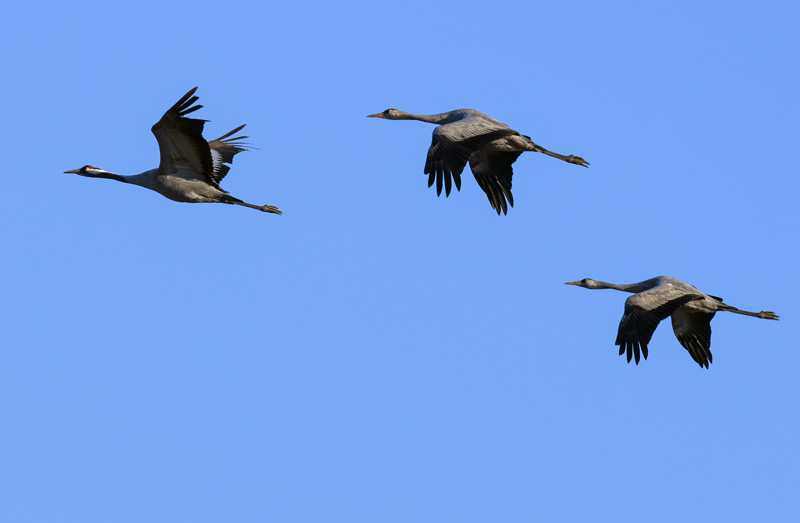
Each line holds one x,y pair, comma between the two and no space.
378,354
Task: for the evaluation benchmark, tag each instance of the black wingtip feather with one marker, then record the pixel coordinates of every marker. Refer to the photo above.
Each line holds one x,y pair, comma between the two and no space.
191,110
221,138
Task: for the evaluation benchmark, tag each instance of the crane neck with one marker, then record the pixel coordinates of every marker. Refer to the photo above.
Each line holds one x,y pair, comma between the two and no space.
146,179
441,118
107,175
627,287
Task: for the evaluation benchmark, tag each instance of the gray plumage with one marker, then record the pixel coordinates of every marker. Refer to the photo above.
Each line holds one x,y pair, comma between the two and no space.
659,298
191,168
490,147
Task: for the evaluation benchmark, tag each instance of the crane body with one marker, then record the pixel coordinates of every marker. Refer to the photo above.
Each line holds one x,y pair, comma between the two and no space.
658,298
489,146
191,169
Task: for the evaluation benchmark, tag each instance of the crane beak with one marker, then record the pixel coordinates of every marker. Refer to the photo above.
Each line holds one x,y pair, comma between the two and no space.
378,115
573,283
73,171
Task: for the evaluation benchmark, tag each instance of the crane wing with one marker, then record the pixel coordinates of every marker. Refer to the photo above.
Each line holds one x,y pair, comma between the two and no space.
452,146
492,170
693,330
223,149
184,151
643,313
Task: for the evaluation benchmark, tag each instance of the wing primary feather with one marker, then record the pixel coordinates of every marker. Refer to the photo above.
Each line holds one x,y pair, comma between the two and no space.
184,151
493,171
638,324
222,138
693,330
191,109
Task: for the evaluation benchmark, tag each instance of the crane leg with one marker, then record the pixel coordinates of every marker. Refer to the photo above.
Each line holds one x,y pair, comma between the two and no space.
265,208
236,201
767,315
577,160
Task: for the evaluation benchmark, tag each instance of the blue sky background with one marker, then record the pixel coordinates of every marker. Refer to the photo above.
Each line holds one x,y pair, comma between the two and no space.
378,353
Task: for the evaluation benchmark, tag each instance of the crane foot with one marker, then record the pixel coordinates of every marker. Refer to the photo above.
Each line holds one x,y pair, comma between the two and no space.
270,208
577,160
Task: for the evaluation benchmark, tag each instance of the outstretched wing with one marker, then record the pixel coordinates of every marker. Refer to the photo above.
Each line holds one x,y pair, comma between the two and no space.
452,146
184,152
643,313
492,170
693,330
223,149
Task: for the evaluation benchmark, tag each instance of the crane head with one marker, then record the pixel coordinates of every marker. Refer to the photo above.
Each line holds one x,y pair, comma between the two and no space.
586,283
86,170
389,114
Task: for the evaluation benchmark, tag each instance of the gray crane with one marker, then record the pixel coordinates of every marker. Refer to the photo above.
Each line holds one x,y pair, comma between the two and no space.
658,298
490,147
191,169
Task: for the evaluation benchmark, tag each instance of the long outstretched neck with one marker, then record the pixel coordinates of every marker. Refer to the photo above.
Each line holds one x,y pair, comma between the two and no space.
629,287
441,118
107,175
